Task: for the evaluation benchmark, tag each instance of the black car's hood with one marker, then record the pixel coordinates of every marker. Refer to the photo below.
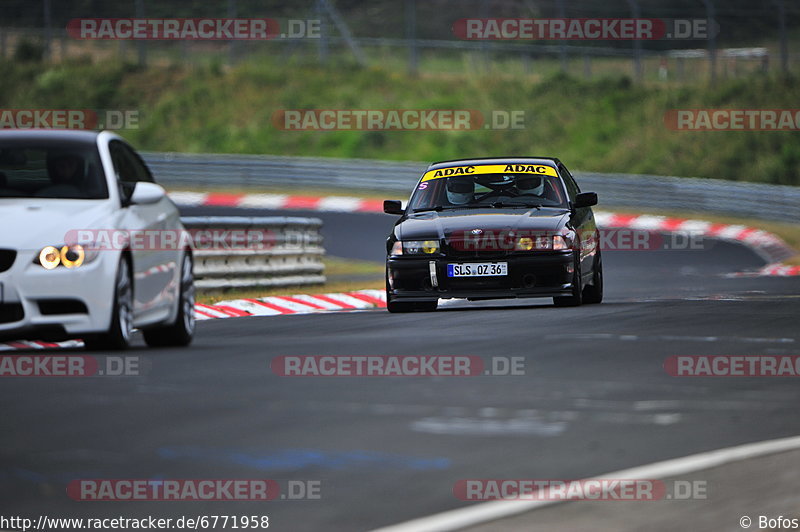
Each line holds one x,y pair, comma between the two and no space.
439,225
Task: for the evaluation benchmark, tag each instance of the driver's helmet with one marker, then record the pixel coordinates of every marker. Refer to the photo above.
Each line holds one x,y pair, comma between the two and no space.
460,191
530,184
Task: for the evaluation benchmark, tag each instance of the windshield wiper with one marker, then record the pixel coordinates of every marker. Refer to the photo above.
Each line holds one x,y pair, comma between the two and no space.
438,208
500,204
495,205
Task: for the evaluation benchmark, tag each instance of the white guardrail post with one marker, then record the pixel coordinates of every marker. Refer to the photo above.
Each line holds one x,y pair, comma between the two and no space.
249,252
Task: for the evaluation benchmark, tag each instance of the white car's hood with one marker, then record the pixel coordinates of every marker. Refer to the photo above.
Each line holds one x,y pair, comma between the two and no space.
34,223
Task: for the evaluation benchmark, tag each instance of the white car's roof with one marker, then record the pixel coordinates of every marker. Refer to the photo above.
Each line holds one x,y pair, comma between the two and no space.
49,134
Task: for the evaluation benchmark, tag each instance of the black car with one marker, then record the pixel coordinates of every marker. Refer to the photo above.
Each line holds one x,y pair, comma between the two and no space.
494,228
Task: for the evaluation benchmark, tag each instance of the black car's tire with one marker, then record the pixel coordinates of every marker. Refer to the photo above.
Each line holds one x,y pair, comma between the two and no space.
426,306
576,298
408,306
119,332
593,293
180,333
396,307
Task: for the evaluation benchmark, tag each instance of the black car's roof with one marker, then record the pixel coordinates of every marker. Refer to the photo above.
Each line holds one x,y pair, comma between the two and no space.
550,161
68,135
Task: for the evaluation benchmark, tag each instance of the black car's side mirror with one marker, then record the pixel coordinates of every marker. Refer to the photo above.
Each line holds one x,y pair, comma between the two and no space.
585,199
392,207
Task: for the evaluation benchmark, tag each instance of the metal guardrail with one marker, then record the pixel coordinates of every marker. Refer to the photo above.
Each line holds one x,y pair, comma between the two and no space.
768,202
263,251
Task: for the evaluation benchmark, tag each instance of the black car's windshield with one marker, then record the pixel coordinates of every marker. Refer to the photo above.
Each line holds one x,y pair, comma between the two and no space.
488,190
44,169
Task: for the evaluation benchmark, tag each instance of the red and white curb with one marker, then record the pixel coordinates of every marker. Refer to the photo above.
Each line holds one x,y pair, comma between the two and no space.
769,246
265,306
35,344
298,304
277,201
770,270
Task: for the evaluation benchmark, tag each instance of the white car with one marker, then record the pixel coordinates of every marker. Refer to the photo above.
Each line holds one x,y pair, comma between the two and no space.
71,264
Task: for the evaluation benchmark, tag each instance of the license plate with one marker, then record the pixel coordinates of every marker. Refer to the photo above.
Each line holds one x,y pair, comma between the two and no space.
481,269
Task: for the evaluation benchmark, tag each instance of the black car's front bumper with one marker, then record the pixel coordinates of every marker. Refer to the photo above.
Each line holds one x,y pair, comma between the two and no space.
548,274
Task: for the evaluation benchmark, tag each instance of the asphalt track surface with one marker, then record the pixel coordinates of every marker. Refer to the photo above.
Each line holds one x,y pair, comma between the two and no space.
594,398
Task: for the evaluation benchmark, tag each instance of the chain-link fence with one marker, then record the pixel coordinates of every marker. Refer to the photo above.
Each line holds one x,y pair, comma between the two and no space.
429,37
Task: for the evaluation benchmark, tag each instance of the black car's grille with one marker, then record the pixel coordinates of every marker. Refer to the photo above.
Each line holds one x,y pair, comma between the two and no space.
7,257
457,250
11,312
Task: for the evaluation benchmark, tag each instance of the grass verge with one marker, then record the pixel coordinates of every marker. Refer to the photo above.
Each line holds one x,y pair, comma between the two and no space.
605,124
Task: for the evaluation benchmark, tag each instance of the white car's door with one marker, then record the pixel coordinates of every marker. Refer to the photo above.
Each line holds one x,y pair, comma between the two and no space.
154,230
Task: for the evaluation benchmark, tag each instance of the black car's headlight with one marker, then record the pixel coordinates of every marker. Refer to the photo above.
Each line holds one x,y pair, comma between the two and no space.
415,247
542,243
71,256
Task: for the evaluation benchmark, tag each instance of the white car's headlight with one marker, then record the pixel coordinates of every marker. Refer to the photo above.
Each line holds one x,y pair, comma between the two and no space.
70,256
49,257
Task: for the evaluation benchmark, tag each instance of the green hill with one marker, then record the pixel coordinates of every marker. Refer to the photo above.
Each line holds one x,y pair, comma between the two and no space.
603,125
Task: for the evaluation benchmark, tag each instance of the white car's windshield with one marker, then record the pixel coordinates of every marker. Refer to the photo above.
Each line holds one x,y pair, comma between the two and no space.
51,170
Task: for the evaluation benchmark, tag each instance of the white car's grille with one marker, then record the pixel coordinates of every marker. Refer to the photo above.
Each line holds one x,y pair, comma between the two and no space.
7,257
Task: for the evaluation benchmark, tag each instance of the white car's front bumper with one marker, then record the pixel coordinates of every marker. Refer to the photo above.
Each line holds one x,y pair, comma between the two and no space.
58,302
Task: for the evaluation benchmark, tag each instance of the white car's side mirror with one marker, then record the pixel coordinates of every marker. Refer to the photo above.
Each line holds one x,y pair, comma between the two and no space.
147,193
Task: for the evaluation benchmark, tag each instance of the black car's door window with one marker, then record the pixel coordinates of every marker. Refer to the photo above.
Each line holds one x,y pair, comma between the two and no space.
572,186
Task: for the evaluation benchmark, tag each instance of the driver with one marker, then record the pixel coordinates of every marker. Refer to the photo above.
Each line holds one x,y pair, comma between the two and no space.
65,169
530,185
66,172
460,191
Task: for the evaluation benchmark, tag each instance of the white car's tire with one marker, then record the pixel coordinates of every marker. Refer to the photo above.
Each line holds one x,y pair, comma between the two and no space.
181,332
120,330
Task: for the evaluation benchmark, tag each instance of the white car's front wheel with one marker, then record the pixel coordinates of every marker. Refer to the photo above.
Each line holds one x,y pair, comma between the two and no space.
181,332
120,330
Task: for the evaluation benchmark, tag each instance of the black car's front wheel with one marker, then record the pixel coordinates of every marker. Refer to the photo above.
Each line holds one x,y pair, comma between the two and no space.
593,293
576,298
394,306
405,306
